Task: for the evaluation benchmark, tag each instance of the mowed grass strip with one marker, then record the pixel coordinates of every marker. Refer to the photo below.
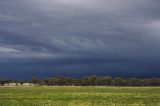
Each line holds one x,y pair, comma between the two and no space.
84,96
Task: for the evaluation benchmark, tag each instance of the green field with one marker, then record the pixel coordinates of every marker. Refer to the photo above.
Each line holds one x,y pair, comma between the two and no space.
79,96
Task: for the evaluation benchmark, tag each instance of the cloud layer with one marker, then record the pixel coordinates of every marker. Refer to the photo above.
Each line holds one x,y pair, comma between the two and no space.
79,37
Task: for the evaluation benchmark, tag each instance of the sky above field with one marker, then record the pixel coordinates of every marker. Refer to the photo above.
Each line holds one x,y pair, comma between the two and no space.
79,37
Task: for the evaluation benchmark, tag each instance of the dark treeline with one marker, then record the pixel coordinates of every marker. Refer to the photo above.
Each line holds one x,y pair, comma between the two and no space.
87,81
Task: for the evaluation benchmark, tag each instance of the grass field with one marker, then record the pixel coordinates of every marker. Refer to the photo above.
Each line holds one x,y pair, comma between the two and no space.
79,96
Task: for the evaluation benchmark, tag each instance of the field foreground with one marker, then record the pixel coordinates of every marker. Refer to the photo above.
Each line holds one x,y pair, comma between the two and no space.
79,96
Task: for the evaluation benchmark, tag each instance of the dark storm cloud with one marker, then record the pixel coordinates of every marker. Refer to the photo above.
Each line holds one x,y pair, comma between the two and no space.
78,37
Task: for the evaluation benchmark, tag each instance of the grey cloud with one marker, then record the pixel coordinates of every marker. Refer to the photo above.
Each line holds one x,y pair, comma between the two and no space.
123,33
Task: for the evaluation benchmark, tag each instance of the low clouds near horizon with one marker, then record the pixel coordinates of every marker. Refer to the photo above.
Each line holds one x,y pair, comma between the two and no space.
79,37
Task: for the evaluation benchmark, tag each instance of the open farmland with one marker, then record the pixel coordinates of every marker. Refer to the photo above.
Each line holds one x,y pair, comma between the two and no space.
79,96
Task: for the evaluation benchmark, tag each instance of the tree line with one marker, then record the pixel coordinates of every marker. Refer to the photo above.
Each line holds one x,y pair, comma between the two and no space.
87,81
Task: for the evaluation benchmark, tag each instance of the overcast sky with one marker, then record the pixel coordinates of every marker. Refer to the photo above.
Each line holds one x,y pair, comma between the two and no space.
79,37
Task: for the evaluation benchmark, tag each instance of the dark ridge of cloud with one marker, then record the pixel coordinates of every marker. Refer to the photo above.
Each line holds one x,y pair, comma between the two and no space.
25,71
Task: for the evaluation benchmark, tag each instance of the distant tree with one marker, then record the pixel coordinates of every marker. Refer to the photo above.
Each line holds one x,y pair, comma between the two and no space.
59,81
154,82
49,81
119,82
88,81
16,82
135,82
42,82
35,80
2,82
7,82
21,82
104,81
145,82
